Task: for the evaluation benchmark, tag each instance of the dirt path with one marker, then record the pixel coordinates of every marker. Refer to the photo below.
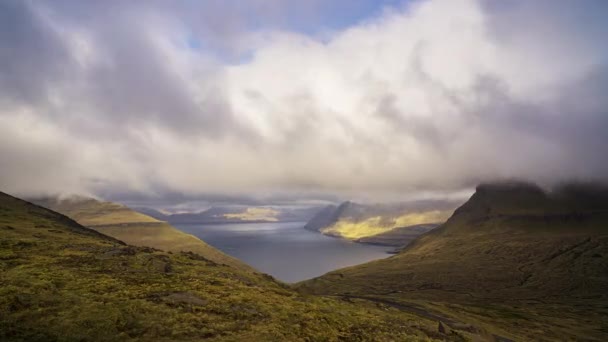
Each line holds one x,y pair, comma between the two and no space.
420,312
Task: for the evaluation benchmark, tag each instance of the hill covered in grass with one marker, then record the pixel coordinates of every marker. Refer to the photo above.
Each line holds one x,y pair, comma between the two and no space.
134,228
62,281
386,224
399,236
514,259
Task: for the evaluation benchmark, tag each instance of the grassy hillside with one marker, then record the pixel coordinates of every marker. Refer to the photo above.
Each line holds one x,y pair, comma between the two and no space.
513,259
134,228
399,236
91,212
354,229
358,222
62,281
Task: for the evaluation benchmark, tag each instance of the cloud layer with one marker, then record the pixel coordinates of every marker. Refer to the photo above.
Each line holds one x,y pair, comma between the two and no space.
436,95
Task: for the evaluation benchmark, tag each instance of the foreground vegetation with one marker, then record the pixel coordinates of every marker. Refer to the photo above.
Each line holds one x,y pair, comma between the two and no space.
62,281
514,260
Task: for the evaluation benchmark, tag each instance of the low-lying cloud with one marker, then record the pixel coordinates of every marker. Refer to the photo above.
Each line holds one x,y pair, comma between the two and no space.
147,97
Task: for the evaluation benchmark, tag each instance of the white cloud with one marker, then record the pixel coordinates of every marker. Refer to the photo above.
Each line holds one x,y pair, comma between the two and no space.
440,95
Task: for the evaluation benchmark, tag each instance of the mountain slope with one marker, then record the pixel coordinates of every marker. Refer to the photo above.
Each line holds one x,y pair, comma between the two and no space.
399,236
379,223
62,281
134,228
509,257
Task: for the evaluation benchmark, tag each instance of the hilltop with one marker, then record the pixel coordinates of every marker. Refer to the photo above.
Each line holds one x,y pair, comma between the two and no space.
63,281
134,228
384,224
514,259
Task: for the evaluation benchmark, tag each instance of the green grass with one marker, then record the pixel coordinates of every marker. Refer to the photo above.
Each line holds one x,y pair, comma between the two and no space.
61,281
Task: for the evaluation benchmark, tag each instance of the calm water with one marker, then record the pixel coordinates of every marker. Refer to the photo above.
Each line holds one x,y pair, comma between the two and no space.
286,251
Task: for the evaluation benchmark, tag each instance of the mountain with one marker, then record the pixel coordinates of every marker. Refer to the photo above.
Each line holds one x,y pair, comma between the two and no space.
235,214
326,217
386,224
217,215
297,214
134,228
514,259
60,281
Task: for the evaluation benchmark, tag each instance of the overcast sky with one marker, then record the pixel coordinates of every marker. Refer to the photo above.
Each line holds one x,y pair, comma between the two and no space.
327,98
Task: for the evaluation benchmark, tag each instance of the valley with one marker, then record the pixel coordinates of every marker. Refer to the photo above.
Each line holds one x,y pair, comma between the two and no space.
62,281
282,249
500,269
303,171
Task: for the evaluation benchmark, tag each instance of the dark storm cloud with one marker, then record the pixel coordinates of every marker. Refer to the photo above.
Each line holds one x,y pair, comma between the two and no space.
32,56
129,82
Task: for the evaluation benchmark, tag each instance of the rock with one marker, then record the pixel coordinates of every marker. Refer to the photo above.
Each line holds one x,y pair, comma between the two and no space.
443,328
185,298
160,263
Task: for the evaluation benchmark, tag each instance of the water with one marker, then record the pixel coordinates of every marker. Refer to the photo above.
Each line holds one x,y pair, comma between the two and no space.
286,251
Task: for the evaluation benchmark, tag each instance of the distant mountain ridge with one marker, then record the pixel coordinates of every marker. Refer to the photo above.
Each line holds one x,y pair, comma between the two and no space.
235,214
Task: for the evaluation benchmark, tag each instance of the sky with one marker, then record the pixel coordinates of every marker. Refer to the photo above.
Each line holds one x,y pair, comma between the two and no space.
299,99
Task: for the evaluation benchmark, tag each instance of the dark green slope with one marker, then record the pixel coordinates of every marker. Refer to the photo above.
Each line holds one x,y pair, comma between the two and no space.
61,281
514,259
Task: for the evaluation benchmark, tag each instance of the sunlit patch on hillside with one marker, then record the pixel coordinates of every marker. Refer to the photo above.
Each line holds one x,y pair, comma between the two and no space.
351,229
255,214
90,212
433,216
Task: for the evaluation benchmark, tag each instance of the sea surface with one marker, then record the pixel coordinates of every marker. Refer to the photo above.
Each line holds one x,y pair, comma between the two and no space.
286,251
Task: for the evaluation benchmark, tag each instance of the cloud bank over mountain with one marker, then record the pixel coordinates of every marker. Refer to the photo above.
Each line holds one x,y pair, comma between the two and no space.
193,98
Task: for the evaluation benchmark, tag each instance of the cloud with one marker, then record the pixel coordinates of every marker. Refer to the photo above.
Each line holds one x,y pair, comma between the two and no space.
189,98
